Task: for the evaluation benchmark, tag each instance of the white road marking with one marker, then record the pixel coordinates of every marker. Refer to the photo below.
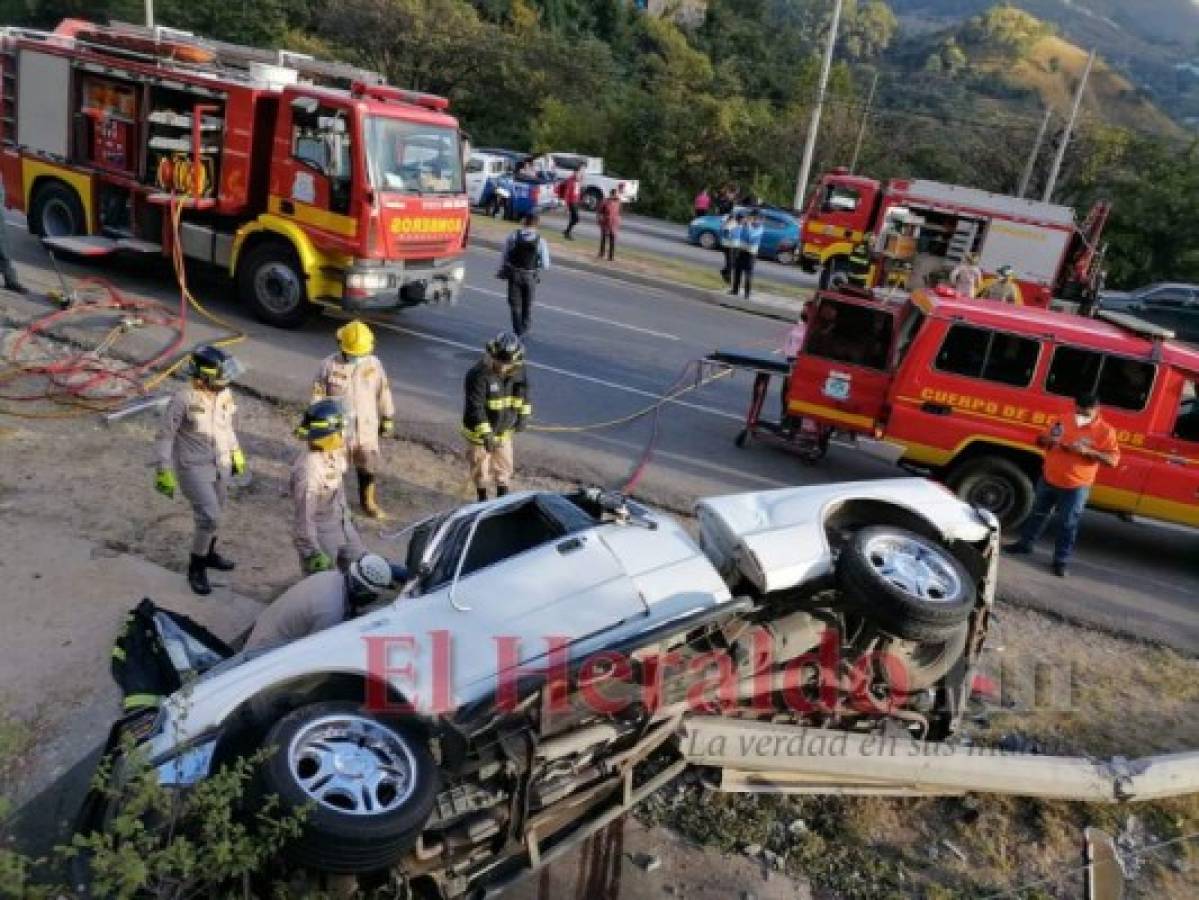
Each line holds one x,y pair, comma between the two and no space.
581,315
567,373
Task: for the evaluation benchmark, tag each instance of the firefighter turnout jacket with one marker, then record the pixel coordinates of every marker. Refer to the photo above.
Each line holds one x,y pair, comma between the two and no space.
362,387
196,431
495,403
322,516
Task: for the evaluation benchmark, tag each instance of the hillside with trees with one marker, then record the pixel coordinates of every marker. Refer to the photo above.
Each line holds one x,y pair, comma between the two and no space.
726,96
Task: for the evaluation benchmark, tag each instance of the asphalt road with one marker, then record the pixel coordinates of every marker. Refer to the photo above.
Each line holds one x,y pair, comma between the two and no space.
670,240
600,350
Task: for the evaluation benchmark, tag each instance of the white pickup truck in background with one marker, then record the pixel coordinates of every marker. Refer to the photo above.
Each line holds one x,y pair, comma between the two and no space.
596,185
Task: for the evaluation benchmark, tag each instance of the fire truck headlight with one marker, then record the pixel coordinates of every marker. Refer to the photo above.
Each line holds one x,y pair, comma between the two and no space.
458,274
368,281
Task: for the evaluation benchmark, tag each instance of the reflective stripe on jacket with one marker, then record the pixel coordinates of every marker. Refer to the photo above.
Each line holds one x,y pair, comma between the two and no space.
494,403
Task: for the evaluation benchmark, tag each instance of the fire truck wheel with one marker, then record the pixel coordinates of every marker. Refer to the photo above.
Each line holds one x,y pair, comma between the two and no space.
997,485
56,211
906,584
270,281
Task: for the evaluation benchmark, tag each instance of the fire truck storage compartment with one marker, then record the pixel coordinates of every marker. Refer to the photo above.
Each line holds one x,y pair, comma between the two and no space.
106,123
170,122
43,103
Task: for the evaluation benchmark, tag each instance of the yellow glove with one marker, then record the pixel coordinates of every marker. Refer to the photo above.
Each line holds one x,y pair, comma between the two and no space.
238,460
387,427
165,483
317,562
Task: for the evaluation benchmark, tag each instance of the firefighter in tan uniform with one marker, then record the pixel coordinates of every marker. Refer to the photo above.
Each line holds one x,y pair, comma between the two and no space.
197,451
322,529
497,404
356,378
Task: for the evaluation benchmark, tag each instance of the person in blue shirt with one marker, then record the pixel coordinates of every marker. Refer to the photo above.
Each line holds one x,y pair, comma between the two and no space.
748,242
526,256
730,235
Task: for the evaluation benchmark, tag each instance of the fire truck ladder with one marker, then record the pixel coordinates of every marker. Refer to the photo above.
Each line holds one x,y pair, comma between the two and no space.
962,241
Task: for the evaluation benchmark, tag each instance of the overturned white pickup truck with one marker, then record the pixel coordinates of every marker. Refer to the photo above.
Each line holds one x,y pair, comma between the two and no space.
533,678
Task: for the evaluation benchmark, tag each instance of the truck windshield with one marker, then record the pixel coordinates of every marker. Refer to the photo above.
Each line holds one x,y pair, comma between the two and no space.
413,157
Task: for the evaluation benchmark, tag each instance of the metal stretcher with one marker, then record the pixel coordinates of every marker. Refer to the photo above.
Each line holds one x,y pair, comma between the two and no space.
804,438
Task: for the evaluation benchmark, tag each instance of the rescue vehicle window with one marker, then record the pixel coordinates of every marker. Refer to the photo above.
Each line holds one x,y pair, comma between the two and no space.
838,198
848,333
990,355
1117,381
1186,426
322,142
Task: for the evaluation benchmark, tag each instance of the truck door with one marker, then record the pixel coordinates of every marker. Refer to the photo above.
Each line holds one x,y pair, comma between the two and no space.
1171,491
317,182
844,371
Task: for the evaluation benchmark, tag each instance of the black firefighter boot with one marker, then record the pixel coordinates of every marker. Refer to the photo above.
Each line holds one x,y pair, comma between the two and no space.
214,560
481,493
197,575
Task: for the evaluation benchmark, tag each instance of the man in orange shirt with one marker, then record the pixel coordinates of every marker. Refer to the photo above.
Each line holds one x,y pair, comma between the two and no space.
1075,447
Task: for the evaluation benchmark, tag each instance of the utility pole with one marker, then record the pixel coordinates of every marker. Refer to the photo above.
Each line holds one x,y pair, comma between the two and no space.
1036,151
857,147
150,14
1065,139
809,150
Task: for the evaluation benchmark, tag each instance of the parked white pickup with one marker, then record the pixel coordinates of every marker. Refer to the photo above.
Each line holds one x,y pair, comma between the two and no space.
596,185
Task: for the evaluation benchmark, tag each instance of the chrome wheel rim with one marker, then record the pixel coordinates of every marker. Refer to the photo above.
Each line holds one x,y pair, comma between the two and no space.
915,567
278,287
353,765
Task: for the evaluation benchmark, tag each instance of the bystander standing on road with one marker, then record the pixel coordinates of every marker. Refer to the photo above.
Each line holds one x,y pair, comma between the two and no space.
703,202
730,242
526,256
608,218
571,191
748,244
1075,447
727,200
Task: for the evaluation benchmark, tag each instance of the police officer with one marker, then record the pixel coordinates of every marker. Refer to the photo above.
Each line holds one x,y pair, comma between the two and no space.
321,601
356,378
497,403
859,265
197,451
322,529
526,256
748,244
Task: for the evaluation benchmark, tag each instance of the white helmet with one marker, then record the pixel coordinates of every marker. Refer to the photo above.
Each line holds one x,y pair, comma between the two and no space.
368,577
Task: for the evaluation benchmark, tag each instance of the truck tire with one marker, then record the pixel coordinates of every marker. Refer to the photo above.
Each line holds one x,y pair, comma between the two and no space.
834,274
904,583
709,240
367,816
270,281
56,211
997,485
592,198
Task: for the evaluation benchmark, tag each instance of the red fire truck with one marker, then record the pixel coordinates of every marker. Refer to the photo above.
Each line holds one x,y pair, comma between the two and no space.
309,182
916,231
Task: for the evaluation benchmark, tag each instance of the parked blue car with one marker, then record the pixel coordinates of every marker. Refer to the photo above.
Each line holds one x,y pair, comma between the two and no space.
780,238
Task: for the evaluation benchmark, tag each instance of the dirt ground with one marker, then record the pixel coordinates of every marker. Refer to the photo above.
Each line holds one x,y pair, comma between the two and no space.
1067,689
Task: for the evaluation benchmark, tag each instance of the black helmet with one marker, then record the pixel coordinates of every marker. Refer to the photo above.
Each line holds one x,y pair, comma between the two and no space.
506,348
213,366
321,419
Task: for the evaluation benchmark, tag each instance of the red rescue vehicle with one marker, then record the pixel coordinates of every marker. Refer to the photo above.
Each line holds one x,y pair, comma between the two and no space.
309,182
916,231
962,388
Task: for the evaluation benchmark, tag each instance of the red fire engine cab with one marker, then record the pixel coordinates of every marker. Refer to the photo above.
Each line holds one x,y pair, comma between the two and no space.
915,231
309,182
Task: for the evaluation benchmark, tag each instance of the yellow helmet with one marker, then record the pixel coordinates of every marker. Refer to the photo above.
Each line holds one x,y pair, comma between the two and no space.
356,339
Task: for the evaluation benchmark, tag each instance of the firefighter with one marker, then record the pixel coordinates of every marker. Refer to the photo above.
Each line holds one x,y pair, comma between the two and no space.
966,276
526,256
859,265
497,403
197,451
1004,287
321,601
322,531
356,378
